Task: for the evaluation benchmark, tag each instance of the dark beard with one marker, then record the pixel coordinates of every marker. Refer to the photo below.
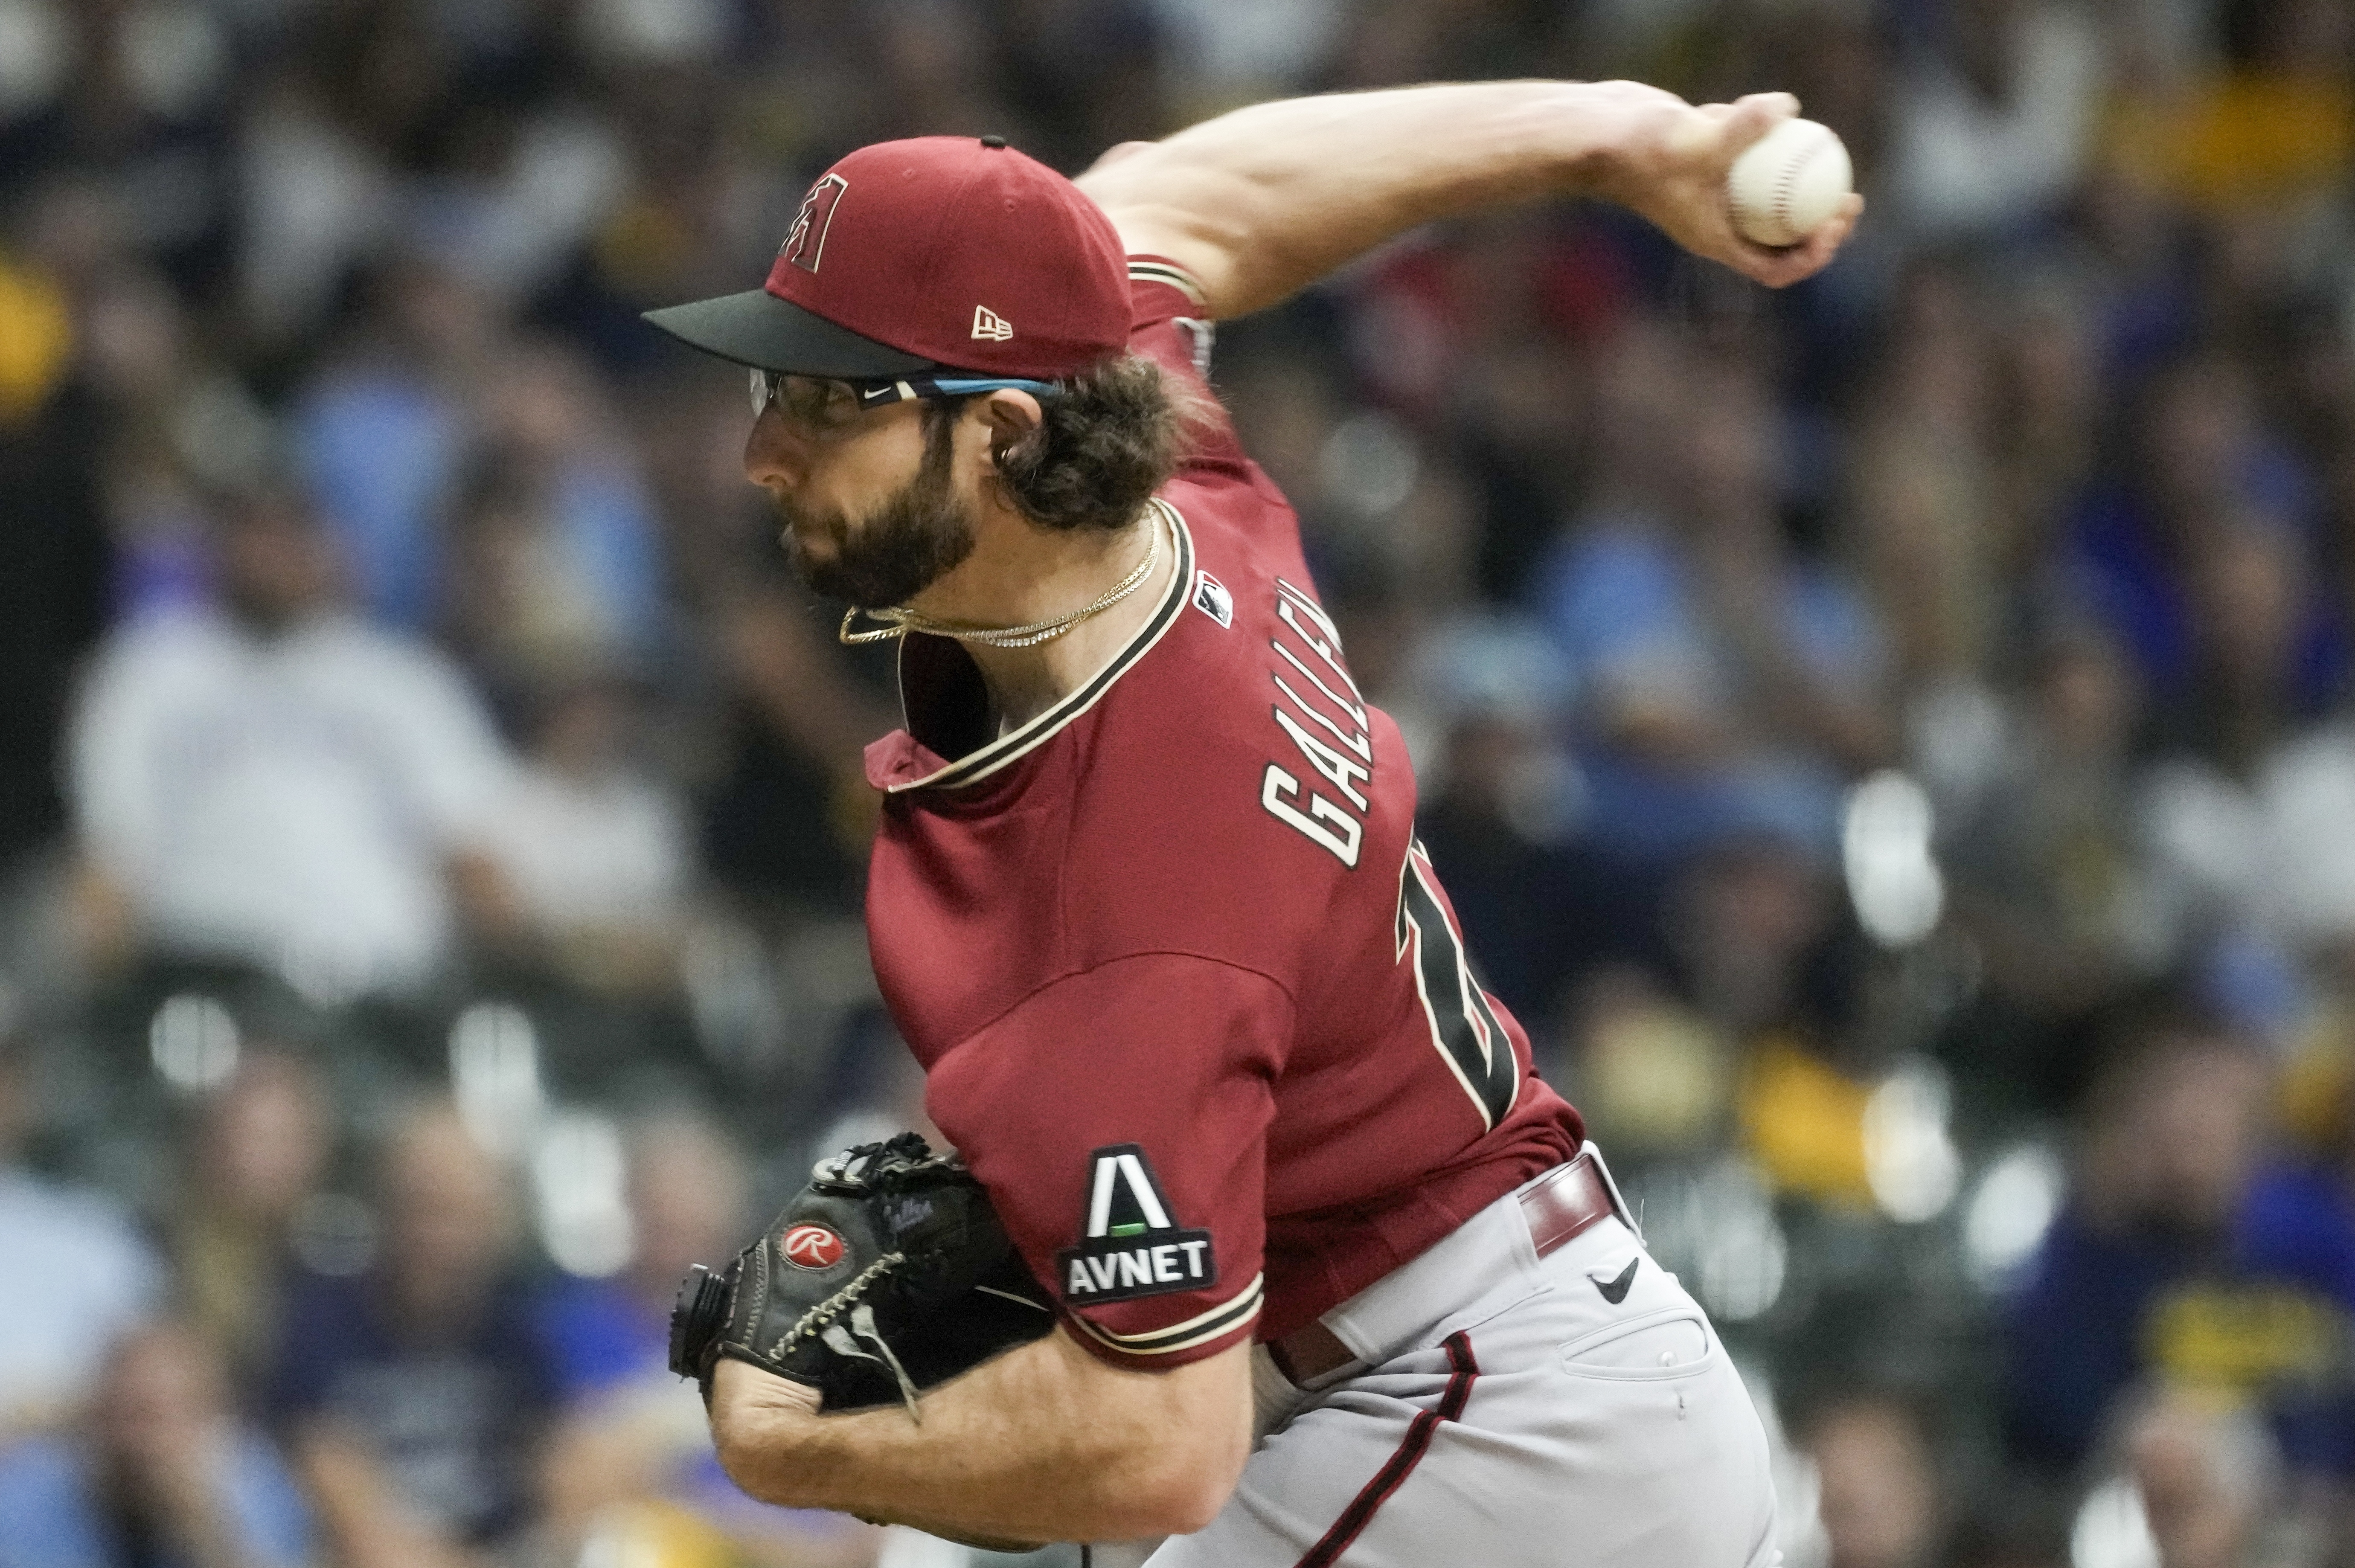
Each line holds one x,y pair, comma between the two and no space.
913,539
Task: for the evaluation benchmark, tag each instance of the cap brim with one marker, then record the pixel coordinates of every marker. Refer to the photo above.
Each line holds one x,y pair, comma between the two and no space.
759,329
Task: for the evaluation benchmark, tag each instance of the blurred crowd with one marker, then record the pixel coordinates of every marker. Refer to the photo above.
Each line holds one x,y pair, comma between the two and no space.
1893,741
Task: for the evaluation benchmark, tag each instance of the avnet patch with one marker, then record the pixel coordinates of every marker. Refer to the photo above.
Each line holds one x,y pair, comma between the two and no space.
1113,1268
1132,1247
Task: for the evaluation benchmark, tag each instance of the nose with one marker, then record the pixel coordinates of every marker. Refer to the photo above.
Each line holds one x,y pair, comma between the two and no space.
774,457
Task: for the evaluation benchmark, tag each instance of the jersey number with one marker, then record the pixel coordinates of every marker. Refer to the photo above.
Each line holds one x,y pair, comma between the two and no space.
1464,1025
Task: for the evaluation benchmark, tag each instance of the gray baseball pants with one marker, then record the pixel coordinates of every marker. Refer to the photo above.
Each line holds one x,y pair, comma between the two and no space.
1505,1411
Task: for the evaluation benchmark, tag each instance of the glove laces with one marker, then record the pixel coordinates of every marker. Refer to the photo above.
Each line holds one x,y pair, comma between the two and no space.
862,1324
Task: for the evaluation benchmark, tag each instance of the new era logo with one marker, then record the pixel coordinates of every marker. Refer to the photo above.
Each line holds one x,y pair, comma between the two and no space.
988,324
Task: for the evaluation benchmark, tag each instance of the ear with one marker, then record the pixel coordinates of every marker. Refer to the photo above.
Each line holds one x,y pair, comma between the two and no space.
1011,415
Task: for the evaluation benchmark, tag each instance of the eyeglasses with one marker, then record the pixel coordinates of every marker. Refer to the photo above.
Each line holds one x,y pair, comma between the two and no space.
823,404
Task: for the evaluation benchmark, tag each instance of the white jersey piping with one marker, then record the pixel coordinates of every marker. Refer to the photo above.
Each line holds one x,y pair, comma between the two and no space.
977,765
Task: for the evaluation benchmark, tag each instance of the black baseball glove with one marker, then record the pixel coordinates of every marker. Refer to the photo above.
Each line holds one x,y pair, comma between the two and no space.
887,1273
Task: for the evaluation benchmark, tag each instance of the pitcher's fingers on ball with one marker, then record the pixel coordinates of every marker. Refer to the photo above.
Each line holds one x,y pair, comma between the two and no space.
1780,268
1748,118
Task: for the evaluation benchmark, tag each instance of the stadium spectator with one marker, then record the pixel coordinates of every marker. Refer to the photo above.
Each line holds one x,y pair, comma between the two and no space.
2045,412
696,206
781,711
594,844
381,432
1881,1498
2048,870
260,1146
273,780
183,423
2225,845
1731,684
161,1475
1501,811
2151,544
1928,532
133,100
2297,1227
1769,956
2166,1150
553,562
415,1398
77,1272
1993,112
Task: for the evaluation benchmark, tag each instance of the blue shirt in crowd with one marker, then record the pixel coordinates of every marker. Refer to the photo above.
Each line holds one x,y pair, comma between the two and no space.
458,1421
52,1515
2073,1334
1622,602
2265,1309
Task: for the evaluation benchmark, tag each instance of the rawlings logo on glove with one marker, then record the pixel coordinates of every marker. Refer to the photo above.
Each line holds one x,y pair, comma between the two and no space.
887,1273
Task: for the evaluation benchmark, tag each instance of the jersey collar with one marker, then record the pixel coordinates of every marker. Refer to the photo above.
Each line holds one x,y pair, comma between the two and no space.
899,761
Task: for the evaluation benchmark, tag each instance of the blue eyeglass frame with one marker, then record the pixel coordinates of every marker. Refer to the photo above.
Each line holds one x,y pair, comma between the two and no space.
880,394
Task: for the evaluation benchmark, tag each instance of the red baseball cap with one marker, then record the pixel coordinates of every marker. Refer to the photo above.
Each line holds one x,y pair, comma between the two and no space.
939,252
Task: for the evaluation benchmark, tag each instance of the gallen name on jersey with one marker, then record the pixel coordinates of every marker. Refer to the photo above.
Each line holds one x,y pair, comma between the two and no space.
1343,755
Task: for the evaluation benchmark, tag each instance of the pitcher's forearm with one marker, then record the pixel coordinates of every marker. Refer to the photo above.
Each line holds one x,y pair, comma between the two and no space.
1279,194
1043,1444
1262,202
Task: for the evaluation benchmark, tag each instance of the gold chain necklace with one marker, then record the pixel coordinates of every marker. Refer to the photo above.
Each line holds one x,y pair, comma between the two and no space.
899,621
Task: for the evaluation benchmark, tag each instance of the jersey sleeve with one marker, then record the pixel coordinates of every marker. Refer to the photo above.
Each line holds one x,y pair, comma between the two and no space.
1169,326
1119,1119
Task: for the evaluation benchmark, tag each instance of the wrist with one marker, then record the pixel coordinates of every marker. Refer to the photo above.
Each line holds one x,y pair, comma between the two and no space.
758,1423
1623,133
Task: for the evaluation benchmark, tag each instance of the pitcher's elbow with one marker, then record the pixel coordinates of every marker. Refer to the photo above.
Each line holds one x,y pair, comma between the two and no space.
1182,1487
1193,1506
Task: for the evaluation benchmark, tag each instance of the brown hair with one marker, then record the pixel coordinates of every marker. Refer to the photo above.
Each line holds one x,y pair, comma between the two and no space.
1110,437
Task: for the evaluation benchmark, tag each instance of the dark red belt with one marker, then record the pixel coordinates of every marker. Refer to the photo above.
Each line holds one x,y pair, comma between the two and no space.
1559,1205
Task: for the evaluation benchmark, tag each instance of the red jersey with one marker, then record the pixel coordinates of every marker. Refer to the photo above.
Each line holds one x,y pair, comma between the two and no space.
1187,992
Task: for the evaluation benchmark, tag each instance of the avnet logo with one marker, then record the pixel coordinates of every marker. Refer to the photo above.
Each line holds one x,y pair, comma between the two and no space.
1132,1247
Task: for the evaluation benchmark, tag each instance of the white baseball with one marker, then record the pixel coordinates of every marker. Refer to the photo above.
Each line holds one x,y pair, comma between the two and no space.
1789,182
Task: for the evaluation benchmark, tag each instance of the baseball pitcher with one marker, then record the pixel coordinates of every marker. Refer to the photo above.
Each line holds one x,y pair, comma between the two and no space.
1261,1234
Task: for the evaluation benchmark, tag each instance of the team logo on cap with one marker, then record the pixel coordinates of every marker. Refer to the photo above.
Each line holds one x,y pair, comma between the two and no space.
811,1247
805,242
987,323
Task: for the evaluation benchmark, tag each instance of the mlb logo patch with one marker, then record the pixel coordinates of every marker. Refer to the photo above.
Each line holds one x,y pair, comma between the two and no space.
1199,335
1212,598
